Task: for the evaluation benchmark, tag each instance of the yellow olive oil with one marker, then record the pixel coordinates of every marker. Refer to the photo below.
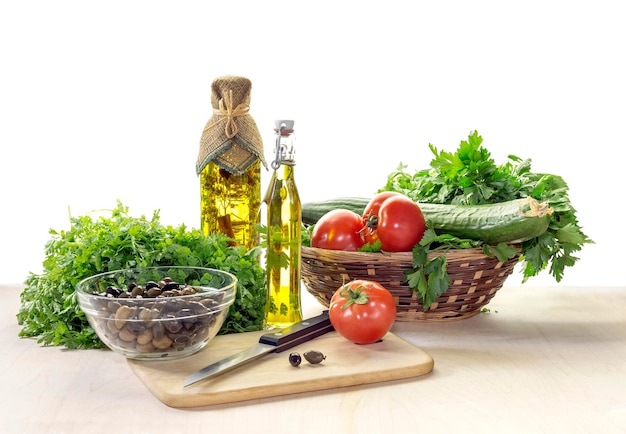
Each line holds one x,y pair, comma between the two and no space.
230,203
284,225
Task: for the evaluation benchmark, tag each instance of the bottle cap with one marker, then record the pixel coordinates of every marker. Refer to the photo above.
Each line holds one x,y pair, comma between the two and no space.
230,138
288,125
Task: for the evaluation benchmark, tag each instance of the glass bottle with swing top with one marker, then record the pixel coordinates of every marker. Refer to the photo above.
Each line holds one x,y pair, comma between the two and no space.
284,223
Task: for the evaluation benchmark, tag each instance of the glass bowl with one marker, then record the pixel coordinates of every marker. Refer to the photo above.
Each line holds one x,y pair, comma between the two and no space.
157,313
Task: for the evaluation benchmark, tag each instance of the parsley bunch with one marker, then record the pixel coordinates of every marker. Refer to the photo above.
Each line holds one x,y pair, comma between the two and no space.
49,308
470,176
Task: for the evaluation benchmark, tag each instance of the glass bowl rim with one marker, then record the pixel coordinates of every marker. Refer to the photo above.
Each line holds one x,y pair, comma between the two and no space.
232,286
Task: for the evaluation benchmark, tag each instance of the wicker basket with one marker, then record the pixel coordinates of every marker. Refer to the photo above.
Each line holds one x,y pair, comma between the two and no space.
475,278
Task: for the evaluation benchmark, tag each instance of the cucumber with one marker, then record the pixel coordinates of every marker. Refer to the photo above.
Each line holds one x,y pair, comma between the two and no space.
513,221
313,211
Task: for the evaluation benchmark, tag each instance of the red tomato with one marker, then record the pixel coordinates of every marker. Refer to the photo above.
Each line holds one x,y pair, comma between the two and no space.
362,311
371,210
401,224
395,220
338,229
374,204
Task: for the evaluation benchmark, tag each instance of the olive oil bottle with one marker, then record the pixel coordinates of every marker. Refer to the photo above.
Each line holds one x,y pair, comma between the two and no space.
229,164
284,224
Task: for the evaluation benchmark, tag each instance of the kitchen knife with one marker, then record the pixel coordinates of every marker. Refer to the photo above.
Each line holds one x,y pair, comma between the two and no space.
277,341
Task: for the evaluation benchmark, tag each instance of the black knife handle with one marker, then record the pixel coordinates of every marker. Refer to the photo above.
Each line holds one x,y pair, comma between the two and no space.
300,332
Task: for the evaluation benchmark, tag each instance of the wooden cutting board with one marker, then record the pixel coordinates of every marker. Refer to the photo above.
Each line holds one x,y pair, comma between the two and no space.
346,364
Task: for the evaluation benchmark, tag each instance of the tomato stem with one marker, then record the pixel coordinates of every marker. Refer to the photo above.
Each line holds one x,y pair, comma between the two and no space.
353,296
371,223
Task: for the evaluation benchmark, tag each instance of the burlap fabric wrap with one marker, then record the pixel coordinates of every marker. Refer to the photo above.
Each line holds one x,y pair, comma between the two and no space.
230,138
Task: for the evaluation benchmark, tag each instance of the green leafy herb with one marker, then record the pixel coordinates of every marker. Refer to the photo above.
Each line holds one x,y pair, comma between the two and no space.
470,176
305,234
49,309
429,277
374,247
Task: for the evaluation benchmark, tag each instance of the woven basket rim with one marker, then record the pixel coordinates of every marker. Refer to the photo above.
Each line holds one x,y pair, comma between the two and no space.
343,255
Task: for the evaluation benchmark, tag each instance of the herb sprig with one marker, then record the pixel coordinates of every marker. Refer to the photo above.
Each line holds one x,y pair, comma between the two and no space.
49,309
470,176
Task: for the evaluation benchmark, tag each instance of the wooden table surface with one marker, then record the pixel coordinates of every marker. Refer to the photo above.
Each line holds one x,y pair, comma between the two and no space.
543,360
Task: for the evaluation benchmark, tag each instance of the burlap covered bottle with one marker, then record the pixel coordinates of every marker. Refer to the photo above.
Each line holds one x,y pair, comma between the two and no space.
229,164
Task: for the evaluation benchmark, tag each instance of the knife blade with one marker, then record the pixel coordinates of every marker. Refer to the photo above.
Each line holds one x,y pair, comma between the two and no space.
277,341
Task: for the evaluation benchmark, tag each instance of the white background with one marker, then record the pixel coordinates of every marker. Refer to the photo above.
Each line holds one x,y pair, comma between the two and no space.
102,101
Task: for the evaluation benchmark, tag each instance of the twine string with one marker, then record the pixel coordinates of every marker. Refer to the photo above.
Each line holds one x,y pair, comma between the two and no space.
228,114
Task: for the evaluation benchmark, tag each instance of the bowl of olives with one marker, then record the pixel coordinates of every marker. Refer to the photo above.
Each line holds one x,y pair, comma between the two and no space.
157,313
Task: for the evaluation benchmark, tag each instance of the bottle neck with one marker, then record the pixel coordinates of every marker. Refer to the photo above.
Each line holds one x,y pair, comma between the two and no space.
284,152
284,172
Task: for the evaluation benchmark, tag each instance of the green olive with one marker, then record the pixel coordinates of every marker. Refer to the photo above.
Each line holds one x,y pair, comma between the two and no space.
314,357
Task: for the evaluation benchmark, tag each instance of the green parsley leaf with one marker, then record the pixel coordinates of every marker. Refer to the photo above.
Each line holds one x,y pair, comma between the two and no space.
49,309
470,176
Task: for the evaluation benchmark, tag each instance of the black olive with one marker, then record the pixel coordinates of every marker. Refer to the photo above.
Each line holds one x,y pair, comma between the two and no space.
135,327
170,286
295,359
314,357
151,284
113,291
